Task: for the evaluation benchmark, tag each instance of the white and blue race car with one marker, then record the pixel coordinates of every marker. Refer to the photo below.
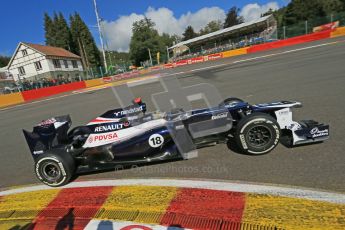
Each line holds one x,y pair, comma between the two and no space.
131,136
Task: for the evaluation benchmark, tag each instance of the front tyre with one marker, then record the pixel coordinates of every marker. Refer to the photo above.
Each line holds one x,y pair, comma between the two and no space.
54,169
257,134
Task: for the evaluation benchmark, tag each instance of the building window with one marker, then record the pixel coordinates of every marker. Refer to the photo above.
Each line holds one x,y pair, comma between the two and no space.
24,53
75,64
65,63
21,70
57,63
38,65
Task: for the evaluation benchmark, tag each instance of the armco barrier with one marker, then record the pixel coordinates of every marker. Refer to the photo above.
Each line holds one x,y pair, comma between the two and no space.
168,66
94,82
290,41
213,56
49,91
338,32
236,52
196,60
143,71
11,99
182,62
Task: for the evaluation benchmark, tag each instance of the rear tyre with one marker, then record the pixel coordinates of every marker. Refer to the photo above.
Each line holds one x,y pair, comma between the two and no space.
55,169
257,134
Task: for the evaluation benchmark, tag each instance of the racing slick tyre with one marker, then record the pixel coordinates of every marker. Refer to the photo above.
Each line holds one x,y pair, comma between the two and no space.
257,134
55,169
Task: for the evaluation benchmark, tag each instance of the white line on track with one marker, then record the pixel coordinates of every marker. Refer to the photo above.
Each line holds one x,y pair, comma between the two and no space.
215,185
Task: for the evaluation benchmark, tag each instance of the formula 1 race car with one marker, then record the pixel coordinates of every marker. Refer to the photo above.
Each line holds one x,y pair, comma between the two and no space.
131,136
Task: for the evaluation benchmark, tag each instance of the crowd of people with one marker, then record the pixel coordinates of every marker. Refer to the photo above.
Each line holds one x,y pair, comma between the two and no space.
25,84
244,41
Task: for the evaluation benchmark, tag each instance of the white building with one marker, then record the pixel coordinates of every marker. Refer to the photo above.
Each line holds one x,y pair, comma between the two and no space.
32,62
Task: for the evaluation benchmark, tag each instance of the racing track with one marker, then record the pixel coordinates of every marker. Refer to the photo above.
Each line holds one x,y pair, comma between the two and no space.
313,76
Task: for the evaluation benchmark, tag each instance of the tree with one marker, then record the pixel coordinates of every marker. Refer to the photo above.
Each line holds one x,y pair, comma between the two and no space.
167,41
332,6
116,60
4,61
49,29
145,37
189,33
301,10
212,26
85,45
269,12
233,18
63,36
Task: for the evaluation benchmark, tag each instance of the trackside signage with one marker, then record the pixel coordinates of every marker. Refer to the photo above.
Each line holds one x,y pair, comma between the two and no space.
99,224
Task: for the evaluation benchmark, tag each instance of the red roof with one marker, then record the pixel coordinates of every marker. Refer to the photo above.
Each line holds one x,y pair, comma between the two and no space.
52,51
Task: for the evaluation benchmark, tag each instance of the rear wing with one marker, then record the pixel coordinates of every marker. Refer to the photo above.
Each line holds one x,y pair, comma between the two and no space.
48,134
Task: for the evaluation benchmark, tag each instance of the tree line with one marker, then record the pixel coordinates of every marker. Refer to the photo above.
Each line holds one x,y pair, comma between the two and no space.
74,36
302,10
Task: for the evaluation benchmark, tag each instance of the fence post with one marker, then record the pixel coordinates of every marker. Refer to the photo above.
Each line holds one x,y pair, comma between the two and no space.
306,27
100,68
284,32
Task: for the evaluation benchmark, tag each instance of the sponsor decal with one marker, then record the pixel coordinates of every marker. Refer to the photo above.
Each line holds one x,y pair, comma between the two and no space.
315,132
284,112
219,116
197,59
168,66
156,140
129,111
182,62
111,127
127,225
328,26
103,137
47,122
107,79
277,134
62,169
243,141
214,56
38,152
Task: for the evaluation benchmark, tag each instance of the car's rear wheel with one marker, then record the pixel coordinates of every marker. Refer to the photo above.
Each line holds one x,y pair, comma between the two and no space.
257,134
55,169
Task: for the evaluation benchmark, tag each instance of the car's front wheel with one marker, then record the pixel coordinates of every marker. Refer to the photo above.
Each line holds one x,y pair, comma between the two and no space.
54,169
257,134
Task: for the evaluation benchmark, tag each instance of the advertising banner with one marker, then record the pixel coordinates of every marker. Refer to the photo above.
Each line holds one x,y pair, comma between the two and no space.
197,60
182,62
168,66
327,26
214,56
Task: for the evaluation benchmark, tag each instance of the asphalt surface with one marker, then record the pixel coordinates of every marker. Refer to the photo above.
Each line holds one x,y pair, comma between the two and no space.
315,76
